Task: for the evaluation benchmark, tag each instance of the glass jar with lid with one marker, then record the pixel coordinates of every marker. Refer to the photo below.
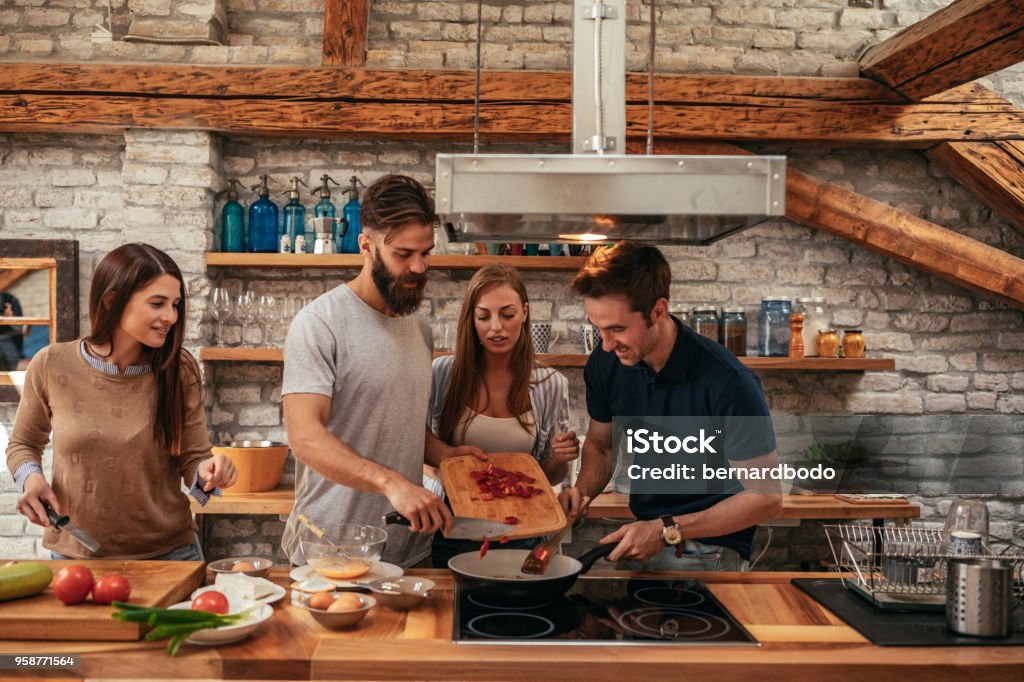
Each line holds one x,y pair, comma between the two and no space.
853,343
773,323
827,343
704,321
733,328
815,317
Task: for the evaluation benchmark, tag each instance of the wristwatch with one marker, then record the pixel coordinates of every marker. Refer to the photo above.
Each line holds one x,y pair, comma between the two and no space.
671,535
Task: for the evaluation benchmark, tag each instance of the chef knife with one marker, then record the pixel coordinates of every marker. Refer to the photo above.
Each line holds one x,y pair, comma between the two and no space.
463,527
63,523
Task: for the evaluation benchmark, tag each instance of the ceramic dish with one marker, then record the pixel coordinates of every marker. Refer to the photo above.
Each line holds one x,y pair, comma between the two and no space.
402,594
228,633
272,598
380,569
261,567
336,620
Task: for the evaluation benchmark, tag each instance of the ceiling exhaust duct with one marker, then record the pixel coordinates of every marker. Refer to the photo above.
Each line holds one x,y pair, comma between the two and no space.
598,193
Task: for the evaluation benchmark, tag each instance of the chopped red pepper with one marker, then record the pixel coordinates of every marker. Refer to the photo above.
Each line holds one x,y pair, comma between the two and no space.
503,539
484,547
511,520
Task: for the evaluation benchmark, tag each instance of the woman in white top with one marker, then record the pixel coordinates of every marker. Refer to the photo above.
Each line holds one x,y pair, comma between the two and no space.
493,394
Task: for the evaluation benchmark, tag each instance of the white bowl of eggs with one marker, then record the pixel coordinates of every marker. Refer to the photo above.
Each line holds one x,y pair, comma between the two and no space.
337,610
252,566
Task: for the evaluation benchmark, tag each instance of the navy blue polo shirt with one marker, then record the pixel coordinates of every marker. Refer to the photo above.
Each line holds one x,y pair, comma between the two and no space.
701,378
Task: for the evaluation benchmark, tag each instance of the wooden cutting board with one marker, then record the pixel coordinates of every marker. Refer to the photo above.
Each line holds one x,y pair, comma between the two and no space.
538,515
154,583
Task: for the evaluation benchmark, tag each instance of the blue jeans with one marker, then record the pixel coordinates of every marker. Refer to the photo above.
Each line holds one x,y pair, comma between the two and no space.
193,552
696,557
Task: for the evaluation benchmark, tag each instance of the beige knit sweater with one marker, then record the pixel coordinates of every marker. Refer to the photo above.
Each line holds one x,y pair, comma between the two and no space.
109,474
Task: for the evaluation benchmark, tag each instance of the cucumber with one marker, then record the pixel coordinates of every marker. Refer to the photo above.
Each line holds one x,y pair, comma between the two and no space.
23,580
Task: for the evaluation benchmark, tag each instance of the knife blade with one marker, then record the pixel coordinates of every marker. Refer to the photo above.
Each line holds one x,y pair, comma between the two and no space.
463,527
63,523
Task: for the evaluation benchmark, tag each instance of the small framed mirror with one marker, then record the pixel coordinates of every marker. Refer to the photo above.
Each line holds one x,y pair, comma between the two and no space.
38,303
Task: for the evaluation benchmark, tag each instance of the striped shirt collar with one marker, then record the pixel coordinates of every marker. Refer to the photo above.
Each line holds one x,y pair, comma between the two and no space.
110,368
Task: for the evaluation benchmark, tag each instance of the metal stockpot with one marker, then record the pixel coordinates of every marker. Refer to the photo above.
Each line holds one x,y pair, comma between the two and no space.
979,597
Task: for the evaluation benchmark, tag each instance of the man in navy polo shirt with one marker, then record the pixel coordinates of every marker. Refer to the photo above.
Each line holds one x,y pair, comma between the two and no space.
651,365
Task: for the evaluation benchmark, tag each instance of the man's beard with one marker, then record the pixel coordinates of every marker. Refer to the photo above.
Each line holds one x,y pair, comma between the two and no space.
399,299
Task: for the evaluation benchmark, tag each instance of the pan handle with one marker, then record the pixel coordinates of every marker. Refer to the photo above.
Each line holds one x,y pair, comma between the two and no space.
588,559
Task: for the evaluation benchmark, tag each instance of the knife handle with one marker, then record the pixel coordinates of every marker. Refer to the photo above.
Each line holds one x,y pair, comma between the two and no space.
56,519
395,517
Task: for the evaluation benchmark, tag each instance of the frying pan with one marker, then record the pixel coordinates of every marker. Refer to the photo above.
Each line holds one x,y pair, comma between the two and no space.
497,575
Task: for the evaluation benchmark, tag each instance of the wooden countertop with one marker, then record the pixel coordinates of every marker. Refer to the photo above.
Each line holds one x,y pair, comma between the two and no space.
801,641
606,506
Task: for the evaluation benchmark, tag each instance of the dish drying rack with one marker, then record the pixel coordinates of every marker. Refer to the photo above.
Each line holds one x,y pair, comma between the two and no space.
904,567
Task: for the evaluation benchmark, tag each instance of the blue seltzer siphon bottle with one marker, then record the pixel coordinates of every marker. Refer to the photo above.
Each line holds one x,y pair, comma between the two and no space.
294,215
263,236
232,220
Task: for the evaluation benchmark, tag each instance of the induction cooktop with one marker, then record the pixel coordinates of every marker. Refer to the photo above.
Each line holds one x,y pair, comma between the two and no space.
603,611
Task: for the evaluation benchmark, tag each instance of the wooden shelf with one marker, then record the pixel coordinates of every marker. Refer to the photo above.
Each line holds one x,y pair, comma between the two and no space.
607,506
578,360
821,364
277,355
349,260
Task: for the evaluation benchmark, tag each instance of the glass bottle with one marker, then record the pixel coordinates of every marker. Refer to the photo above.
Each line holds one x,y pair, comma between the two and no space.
827,343
232,221
263,237
351,211
853,343
294,215
734,330
773,323
705,321
815,317
325,208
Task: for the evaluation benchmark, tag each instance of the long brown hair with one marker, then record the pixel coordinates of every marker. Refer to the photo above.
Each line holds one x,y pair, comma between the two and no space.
467,372
119,274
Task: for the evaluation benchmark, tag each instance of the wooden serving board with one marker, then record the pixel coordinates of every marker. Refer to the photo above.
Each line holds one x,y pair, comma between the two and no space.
154,583
538,515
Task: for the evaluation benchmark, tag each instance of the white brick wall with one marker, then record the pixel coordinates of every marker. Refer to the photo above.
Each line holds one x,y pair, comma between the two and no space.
956,351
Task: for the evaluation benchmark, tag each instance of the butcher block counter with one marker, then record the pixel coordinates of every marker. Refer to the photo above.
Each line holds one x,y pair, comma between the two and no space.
799,641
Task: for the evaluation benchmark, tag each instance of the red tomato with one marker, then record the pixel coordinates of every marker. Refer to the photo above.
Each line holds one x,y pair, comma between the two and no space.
212,601
110,588
72,584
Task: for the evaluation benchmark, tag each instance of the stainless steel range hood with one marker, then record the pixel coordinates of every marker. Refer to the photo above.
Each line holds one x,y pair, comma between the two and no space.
595,194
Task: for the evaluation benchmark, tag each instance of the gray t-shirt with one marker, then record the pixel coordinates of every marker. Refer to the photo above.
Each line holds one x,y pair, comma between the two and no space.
376,371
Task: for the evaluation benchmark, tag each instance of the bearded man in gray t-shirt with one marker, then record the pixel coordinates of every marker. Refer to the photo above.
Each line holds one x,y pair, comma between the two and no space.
357,383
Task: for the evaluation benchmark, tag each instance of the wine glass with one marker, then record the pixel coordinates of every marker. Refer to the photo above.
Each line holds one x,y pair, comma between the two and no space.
246,309
268,314
220,310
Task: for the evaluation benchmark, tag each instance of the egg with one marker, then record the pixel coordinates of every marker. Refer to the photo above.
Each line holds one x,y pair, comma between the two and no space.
321,600
346,601
243,566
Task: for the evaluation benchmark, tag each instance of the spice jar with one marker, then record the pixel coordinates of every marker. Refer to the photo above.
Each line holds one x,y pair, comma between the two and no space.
828,343
815,317
773,320
705,321
733,330
853,343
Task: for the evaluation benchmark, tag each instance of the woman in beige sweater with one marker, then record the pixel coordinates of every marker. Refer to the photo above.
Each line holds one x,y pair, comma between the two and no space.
125,407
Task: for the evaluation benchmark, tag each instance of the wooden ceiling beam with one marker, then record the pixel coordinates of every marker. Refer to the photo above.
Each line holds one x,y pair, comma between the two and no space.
345,31
922,245
994,171
517,106
966,40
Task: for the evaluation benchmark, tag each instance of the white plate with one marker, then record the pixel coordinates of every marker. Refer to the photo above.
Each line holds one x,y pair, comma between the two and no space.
272,598
380,569
228,633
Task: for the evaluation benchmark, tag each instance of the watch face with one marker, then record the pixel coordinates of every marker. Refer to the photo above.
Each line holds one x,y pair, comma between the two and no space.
671,535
